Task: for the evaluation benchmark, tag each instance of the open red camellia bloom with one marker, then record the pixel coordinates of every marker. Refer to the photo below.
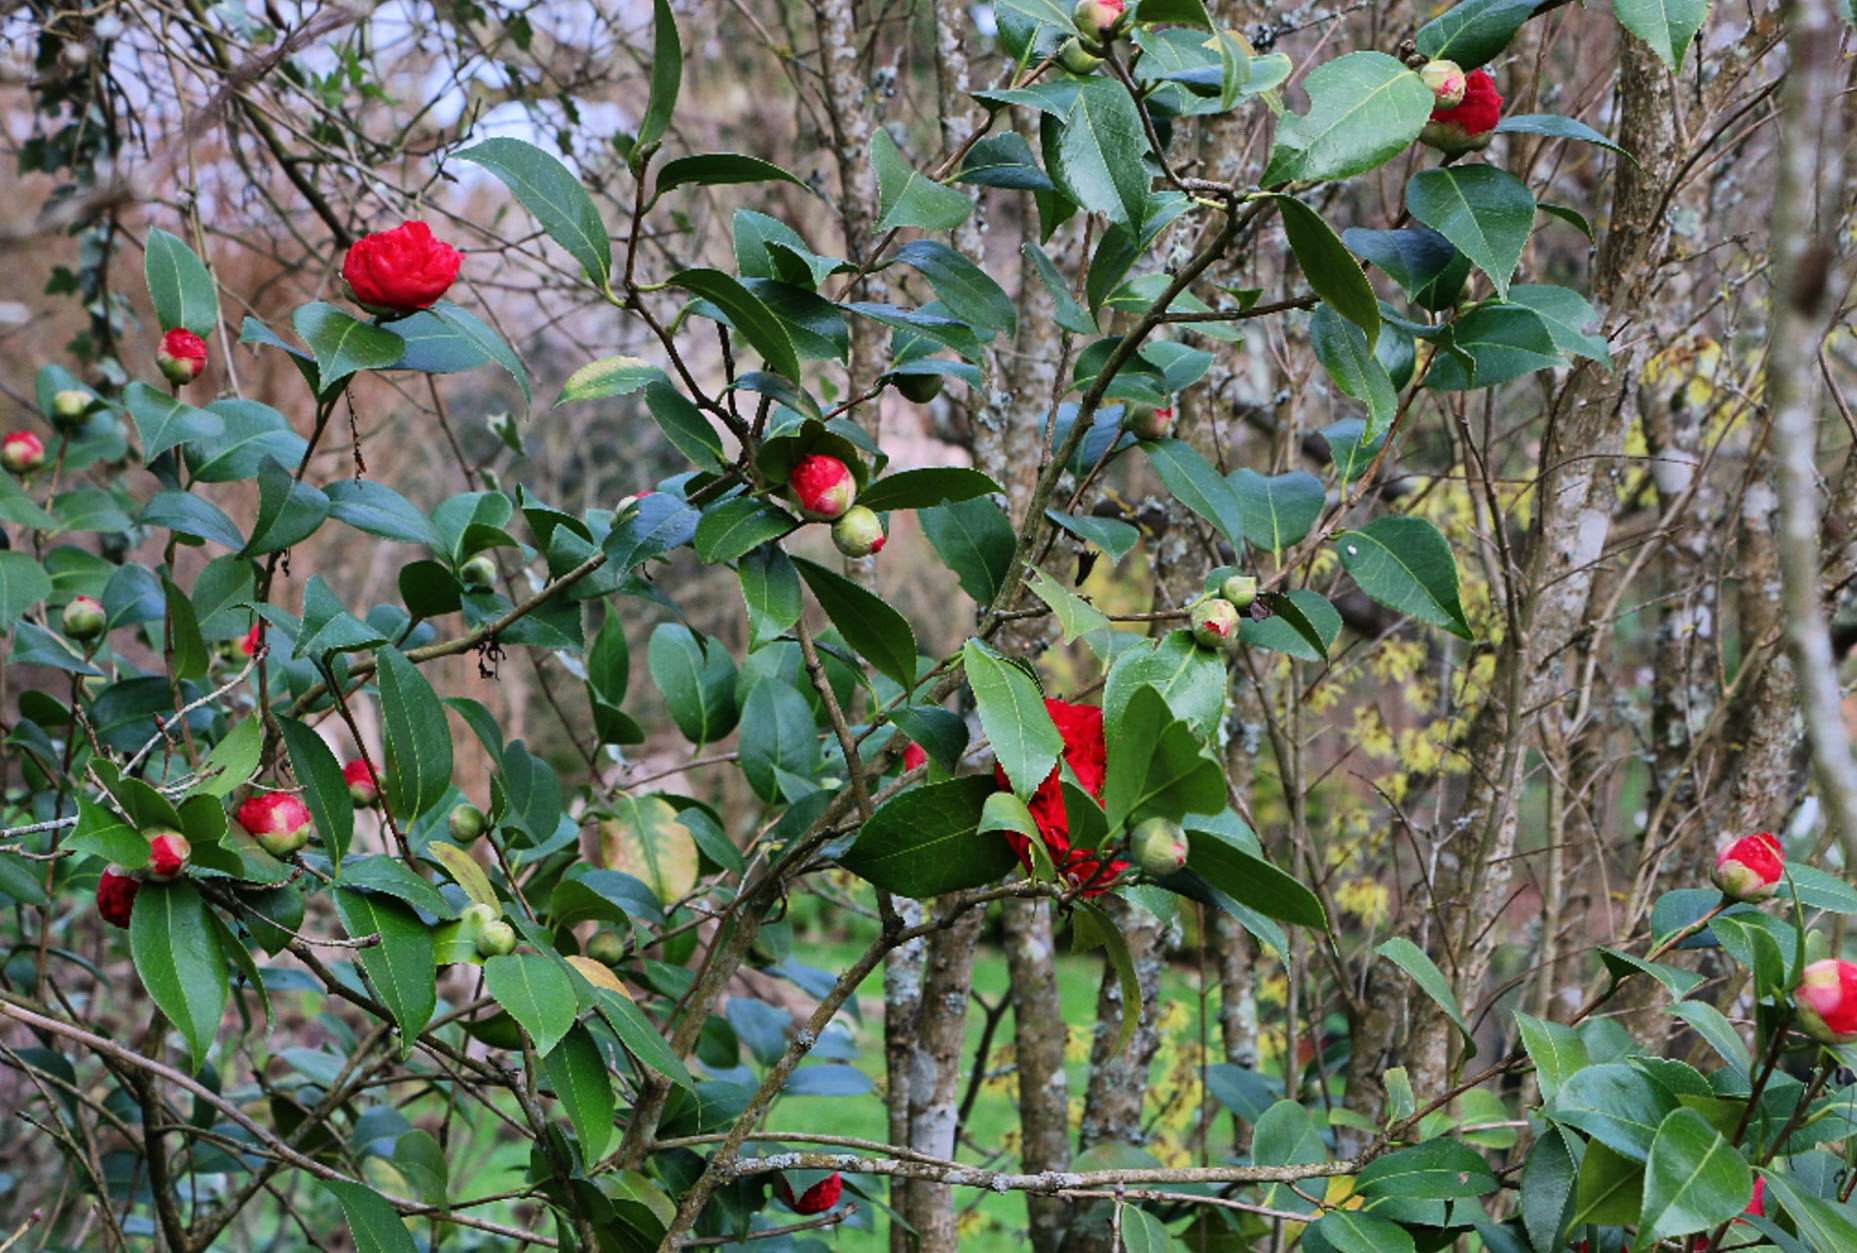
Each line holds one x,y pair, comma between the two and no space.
1088,758
1750,869
1468,126
817,1199
401,271
1826,999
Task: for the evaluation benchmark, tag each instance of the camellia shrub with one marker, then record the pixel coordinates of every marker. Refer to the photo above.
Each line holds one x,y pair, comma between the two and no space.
252,797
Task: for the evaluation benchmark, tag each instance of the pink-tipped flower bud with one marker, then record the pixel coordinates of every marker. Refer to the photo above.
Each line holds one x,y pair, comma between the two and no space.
84,619
465,823
1445,80
823,487
182,356
363,783
1826,1001
1468,126
1240,590
1096,18
279,821
496,939
1149,423
914,757
1215,623
859,533
1160,847
168,855
253,638
1750,869
70,405
21,452
116,895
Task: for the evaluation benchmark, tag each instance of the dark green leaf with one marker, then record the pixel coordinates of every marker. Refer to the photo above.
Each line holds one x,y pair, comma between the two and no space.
697,680
162,422
1405,564
873,629
1254,882
187,514
1412,959
548,190
418,740
771,589
23,584
400,967
324,790
756,323
927,841
374,1224
684,425
666,80
179,285
969,292
1555,126
1357,1231
1307,639
1364,109
1097,153
537,993
926,488
1667,26
1190,677
1439,1169
1503,342
576,1071
1485,211
1331,270
377,509
906,198
1068,314
711,169
1091,928
1157,766
1423,262
1693,1180
1112,535
1474,31
778,736
250,433
177,955
1013,714
288,511
1280,510
344,344
1547,1189
974,539
1199,487
1342,349
1616,1105
730,529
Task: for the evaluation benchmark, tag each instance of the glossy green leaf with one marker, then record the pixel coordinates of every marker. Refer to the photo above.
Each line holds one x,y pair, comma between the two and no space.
1303,624
1099,155
926,488
1547,1195
343,344
711,169
771,590
1484,211
732,528
927,840
1013,714
697,679
1358,1231
1412,959
1113,536
249,433
1157,766
906,198
23,584
1330,268
1504,342
187,651
1280,510
1474,31
666,80
1091,928
1364,109
419,758
1197,485
966,290
162,422
684,425
554,196
576,1070
288,511
537,993
745,312
324,790
1192,679
179,285
480,336
778,736
188,514
376,509
1555,126
1693,1180
975,539
1438,1170
399,969
1253,882
1568,317
1667,26
1342,349
372,1222
1405,564
1616,1105
1556,1049
177,955
1068,314
874,630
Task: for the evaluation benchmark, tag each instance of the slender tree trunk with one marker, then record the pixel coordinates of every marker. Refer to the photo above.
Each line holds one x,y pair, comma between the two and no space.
1039,1036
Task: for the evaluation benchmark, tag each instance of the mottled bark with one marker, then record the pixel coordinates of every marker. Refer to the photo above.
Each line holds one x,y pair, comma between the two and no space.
1118,1086
937,1075
902,999
845,97
1039,1035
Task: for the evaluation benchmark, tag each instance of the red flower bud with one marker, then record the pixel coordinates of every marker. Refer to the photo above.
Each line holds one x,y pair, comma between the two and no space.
817,1199
1750,869
914,758
1467,126
363,783
401,271
279,821
859,533
168,855
1826,1000
84,619
182,356
22,452
253,638
1215,623
116,895
822,487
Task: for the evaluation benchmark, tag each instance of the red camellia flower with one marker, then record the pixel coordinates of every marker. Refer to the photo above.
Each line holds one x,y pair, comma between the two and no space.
401,271
1826,999
1756,1207
822,487
278,821
363,783
1088,758
817,1199
22,452
182,356
116,895
1466,127
1750,869
914,758
253,638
